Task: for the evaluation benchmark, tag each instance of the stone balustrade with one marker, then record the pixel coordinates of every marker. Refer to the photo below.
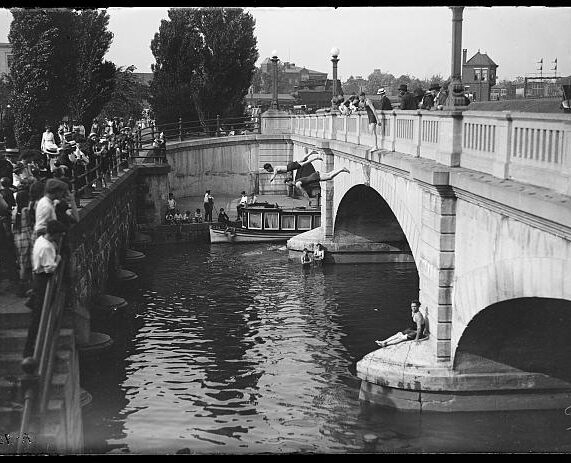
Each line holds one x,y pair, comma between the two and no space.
526,147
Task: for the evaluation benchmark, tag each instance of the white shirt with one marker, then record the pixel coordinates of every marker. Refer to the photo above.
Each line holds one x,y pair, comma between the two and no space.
44,256
172,203
45,211
244,200
207,196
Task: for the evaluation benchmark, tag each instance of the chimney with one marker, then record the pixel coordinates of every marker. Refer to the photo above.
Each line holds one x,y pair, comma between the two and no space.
464,55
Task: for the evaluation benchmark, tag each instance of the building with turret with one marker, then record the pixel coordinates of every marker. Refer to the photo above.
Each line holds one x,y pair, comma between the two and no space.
478,75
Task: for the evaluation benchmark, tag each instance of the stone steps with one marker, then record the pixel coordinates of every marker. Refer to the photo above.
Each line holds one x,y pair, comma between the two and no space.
13,339
15,316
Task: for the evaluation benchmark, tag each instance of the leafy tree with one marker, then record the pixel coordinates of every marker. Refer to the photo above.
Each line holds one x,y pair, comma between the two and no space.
205,61
44,54
350,86
93,83
129,95
7,119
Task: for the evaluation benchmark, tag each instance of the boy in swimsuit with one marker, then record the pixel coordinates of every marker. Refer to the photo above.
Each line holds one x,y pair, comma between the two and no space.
367,105
294,165
304,182
416,330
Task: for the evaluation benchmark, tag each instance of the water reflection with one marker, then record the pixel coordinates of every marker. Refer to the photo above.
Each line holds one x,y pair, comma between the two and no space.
238,350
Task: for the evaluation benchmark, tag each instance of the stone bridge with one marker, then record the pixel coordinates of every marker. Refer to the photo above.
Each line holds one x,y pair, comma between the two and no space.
482,203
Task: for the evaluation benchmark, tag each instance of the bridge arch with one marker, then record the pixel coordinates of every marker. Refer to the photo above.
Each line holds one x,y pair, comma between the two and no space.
527,334
526,278
364,216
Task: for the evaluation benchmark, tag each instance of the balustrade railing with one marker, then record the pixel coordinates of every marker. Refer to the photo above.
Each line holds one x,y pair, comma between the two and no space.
531,148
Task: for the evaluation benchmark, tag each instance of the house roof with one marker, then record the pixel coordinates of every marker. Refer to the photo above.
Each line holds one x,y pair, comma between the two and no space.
480,59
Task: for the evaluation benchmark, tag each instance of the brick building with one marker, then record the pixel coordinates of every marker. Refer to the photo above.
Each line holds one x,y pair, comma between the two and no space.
478,75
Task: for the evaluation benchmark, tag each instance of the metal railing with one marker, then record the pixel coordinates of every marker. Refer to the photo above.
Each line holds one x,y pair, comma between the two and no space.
38,368
187,130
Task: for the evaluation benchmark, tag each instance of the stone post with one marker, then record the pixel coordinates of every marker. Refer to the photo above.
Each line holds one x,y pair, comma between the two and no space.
275,102
456,88
327,196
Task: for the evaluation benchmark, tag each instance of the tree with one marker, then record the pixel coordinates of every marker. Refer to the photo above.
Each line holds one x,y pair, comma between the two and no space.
205,61
44,54
128,97
350,86
93,83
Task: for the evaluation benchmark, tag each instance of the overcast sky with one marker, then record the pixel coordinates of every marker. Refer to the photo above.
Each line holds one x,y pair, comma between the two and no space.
399,40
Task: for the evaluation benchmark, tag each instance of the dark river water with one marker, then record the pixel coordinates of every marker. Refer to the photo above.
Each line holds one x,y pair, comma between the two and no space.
237,350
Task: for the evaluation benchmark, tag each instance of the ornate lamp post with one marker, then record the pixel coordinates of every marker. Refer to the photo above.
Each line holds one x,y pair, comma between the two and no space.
275,59
456,88
334,60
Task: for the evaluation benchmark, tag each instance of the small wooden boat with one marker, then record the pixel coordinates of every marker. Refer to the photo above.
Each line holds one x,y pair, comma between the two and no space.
264,222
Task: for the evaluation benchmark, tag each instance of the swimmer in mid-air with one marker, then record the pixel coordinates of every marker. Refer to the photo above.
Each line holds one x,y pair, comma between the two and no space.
291,166
303,183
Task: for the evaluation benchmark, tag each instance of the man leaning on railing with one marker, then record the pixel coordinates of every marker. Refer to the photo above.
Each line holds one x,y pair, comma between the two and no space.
45,260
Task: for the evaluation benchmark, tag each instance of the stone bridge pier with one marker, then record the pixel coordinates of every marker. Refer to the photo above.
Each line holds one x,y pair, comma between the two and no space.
494,280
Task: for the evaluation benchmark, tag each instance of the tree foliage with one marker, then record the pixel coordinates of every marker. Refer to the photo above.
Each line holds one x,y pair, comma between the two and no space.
205,60
43,53
129,95
57,67
93,83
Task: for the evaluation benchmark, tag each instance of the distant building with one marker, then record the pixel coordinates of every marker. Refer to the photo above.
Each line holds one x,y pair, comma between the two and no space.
293,76
478,75
5,58
264,100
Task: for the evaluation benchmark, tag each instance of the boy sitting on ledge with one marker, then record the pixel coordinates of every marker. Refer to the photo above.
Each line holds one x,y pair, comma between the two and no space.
416,331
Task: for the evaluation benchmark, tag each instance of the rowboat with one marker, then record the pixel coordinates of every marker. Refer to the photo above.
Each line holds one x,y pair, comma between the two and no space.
264,222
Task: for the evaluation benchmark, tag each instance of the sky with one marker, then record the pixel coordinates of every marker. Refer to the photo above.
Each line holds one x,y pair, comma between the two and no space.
399,40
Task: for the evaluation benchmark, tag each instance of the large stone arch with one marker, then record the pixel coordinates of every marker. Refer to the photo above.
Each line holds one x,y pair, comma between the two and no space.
402,195
364,216
526,277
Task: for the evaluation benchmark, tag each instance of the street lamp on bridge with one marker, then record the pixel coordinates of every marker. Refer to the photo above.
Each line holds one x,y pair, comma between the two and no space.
334,60
456,88
274,59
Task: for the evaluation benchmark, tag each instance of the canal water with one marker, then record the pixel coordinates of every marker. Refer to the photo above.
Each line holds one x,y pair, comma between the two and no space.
238,350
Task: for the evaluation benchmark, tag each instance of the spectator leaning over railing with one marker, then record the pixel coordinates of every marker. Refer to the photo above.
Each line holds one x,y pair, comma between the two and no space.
45,260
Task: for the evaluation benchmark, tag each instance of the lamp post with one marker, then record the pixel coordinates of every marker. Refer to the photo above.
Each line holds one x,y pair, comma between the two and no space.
456,88
334,60
275,60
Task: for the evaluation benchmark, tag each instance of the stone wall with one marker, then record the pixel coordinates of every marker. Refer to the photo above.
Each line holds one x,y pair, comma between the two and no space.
227,165
106,227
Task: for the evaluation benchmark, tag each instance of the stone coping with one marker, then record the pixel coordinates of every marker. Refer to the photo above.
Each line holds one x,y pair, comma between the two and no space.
410,366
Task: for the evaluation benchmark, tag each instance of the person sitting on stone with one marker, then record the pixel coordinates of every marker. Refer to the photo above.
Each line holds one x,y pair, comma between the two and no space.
416,331
303,184
291,166
198,216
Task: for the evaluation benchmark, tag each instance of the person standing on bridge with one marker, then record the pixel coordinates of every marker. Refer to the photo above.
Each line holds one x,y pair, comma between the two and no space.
366,104
291,166
416,331
407,99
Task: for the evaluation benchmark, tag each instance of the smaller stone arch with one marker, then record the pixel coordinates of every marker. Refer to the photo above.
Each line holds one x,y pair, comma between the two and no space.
518,335
363,216
504,280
